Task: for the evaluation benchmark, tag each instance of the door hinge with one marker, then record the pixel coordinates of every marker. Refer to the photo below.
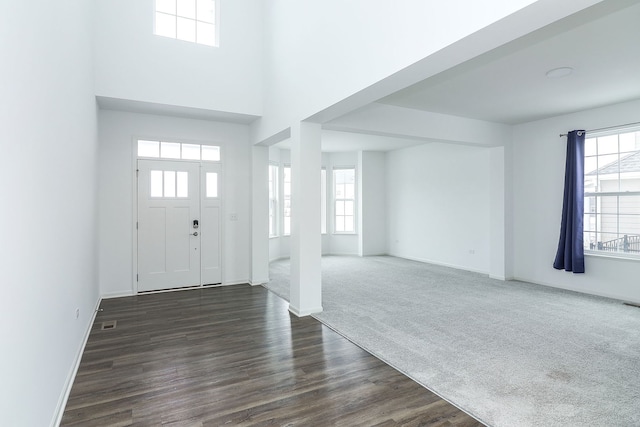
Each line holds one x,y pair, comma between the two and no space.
137,173
136,225
136,277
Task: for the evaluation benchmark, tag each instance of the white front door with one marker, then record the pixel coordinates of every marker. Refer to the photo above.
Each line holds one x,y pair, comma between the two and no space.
168,225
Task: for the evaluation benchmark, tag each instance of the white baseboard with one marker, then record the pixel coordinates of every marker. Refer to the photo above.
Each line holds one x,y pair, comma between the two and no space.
64,397
307,312
579,290
342,254
118,294
236,282
443,264
259,282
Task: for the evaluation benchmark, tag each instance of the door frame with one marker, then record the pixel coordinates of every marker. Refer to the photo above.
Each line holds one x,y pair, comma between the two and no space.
134,203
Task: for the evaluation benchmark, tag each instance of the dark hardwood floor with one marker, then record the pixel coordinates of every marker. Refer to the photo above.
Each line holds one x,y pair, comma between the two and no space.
235,356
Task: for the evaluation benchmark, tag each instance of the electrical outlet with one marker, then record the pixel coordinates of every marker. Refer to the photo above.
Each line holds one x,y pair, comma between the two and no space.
472,251
77,313
233,217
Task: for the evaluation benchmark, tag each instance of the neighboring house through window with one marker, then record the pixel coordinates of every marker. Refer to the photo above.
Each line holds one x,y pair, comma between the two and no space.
612,193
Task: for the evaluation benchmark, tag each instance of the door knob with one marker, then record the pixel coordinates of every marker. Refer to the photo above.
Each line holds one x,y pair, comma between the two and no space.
194,234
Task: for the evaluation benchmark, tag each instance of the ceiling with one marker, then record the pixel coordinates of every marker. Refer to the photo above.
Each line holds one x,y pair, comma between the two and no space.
508,85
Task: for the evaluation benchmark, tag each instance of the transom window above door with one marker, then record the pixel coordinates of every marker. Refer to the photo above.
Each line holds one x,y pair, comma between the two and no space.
177,150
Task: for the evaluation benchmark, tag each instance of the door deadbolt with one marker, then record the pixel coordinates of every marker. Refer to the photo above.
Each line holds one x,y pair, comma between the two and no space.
195,223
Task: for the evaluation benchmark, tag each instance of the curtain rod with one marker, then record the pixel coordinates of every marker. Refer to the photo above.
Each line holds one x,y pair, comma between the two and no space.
607,128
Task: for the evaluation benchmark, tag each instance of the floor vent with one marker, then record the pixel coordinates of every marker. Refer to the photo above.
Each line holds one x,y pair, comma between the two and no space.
631,304
111,324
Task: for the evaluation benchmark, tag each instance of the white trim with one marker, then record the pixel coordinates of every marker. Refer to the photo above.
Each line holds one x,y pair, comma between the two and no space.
259,282
342,254
118,294
443,264
580,290
134,203
134,222
281,199
612,255
276,192
356,207
612,131
235,282
64,397
303,313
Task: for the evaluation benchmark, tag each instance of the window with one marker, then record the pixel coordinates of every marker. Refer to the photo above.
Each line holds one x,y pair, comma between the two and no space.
323,201
169,184
344,186
211,184
189,20
178,151
286,193
273,200
612,193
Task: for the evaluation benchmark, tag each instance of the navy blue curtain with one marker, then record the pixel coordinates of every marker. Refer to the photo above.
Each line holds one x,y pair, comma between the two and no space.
570,255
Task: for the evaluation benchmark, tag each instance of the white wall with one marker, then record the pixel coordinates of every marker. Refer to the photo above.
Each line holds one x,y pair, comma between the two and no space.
311,66
48,261
538,177
132,63
117,131
383,119
372,217
438,205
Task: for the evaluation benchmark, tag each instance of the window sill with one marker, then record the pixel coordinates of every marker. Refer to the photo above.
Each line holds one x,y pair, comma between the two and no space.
345,234
620,256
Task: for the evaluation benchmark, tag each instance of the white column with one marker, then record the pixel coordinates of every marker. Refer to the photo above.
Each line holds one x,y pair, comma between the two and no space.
497,235
260,215
372,204
306,245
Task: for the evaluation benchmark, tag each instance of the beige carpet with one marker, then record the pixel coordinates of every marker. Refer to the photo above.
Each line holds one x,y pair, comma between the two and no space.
509,353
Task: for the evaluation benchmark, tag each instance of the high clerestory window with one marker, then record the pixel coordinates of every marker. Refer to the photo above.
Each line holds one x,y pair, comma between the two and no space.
612,193
189,20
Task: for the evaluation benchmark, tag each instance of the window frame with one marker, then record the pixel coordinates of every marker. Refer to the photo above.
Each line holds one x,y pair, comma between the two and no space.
175,15
274,205
181,144
335,200
594,215
323,201
286,197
